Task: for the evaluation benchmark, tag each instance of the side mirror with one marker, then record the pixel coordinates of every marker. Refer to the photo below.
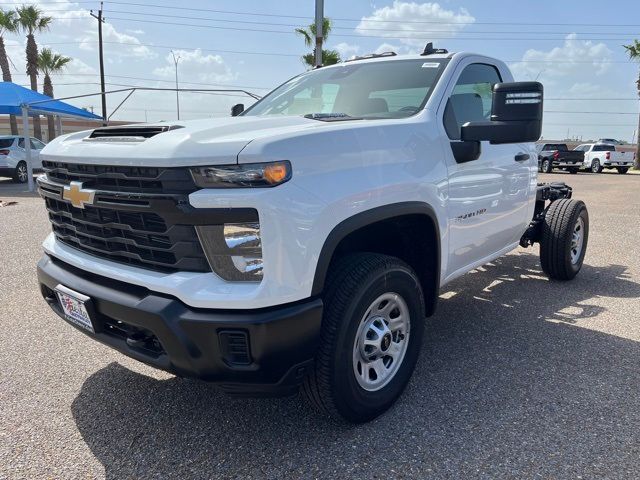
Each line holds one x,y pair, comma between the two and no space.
237,109
516,115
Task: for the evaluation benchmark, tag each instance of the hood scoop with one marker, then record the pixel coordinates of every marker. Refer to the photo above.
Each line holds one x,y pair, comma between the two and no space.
128,133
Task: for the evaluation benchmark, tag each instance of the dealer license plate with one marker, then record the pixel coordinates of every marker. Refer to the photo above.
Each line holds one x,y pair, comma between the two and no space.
74,308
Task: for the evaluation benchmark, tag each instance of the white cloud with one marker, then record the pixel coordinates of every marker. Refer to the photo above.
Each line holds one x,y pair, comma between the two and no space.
347,50
401,21
575,58
118,43
193,65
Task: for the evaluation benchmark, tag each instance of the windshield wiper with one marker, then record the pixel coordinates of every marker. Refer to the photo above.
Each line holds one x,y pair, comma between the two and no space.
331,117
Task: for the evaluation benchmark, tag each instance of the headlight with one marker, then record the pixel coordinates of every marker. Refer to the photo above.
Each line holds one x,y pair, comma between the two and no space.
239,176
234,250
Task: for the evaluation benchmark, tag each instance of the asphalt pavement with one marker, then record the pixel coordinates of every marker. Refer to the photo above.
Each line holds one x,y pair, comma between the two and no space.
519,377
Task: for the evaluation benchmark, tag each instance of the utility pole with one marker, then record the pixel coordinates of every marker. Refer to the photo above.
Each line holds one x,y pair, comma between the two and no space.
319,23
176,59
104,97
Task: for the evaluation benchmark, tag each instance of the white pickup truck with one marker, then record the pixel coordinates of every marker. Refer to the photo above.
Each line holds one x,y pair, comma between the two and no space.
303,242
601,155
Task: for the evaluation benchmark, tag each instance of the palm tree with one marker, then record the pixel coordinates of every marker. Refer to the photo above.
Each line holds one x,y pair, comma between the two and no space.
8,24
50,63
30,21
329,57
634,54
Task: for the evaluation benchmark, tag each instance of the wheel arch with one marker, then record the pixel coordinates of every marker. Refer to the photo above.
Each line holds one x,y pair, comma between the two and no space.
400,221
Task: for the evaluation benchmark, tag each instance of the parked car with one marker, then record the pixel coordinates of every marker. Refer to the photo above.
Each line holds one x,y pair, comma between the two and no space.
13,157
601,155
304,241
558,155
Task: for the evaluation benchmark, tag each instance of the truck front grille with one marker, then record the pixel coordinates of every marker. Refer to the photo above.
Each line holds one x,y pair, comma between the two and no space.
122,178
149,228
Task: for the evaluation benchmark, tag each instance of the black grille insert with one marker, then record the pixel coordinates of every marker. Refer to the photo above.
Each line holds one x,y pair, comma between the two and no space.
234,345
140,239
122,178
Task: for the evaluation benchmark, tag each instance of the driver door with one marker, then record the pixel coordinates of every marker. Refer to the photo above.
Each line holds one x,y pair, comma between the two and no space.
488,197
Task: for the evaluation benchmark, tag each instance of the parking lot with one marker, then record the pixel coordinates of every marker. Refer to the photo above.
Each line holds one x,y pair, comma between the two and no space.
519,377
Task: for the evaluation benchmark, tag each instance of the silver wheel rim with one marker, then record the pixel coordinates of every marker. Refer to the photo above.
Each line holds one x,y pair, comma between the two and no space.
577,239
545,166
381,341
595,166
22,173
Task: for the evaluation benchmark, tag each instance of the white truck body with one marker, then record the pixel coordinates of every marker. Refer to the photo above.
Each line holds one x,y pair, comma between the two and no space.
305,241
606,156
339,170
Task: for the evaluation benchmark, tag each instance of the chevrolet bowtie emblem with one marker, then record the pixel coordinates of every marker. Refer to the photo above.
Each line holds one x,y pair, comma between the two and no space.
78,196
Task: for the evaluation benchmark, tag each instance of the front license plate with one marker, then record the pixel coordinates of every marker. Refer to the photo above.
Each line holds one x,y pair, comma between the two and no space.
74,308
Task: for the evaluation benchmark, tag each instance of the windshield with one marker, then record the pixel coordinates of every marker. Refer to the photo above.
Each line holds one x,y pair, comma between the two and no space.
392,89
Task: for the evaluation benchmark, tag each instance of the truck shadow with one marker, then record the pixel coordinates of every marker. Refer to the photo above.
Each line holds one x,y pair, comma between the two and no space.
510,380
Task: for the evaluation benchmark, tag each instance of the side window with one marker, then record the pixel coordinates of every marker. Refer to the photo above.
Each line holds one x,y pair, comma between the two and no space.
37,144
34,146
470,99
21,142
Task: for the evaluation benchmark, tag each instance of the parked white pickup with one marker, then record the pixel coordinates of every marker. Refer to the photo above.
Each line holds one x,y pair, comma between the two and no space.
601,155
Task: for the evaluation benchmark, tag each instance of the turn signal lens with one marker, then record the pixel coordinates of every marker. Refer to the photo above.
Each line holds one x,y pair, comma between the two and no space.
275,173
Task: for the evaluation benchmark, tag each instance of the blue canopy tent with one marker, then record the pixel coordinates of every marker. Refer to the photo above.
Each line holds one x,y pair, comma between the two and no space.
17,100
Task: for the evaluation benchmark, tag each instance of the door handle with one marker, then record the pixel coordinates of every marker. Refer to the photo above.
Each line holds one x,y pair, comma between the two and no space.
522,157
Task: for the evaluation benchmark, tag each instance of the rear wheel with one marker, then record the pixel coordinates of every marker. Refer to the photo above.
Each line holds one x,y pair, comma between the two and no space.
565,233
21,174
595,166
547,166
623,170
371,336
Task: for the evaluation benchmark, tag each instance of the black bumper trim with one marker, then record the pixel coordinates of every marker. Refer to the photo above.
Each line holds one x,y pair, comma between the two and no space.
282,339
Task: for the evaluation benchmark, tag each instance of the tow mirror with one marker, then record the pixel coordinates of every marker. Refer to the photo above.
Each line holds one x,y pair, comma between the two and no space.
237,109
516,115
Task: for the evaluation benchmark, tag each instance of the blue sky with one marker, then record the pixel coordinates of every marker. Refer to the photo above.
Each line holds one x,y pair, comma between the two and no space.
573,47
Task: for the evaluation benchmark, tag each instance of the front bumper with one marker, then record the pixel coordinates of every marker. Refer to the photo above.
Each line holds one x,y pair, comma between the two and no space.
254,352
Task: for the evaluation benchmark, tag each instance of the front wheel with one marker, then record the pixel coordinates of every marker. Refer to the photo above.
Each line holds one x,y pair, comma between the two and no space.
623,170
371,336
21,174
595,166
565,233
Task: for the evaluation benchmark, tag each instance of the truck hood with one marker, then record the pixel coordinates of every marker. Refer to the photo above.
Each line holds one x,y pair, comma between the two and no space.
215,141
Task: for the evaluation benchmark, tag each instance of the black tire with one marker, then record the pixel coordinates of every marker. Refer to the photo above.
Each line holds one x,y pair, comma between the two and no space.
595,166
547,166
354,284
20,174
573,170
622,170
556,246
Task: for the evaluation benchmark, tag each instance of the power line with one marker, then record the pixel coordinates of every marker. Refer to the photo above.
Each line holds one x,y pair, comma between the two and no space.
335,27
290,32
308,18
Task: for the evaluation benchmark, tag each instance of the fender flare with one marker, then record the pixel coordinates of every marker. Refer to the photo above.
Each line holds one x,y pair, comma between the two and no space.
368,217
